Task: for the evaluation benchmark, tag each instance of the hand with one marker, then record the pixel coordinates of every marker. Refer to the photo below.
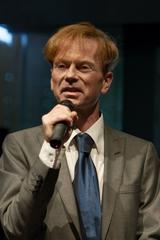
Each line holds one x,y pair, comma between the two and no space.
58,114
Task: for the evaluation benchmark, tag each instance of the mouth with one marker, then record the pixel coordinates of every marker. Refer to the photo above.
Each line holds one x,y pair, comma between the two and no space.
71,92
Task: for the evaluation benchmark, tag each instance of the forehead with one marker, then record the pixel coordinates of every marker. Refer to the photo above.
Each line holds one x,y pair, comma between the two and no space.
78,48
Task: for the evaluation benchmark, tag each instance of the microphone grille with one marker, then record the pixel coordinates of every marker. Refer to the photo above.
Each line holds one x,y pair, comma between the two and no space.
68,104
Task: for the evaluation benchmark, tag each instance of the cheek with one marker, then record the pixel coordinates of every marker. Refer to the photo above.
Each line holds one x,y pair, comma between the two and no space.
93,89
54,80
54,86
97,85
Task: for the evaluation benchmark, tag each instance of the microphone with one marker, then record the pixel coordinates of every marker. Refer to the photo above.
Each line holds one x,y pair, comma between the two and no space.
61,128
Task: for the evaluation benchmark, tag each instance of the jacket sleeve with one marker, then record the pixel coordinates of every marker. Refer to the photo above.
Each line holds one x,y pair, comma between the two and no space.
149,211
26,188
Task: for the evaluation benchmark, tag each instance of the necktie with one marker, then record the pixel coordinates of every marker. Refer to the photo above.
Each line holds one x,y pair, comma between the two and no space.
87,190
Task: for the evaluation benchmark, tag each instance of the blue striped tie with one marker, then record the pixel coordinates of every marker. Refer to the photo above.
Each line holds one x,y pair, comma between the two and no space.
87,190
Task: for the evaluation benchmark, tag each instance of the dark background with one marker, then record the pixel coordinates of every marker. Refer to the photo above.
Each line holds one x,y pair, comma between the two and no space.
133,103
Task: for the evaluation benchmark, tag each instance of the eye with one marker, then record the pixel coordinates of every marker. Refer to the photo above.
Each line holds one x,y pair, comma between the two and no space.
60,66
85,68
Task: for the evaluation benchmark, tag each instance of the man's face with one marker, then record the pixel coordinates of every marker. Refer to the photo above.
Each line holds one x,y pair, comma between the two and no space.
77,74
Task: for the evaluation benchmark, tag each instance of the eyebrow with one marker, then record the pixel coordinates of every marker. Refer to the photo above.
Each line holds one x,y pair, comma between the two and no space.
76,62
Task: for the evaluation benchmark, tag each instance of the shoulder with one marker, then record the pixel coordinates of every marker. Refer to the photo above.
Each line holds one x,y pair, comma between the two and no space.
130,142
28,131
128,137
131,146
26,135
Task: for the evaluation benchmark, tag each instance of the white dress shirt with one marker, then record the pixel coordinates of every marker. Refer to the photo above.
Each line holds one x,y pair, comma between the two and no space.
49,156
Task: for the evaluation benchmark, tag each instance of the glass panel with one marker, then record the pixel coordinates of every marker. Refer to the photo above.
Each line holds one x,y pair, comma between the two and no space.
157,101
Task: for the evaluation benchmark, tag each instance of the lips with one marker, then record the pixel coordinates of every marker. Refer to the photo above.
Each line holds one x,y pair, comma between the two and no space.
70,89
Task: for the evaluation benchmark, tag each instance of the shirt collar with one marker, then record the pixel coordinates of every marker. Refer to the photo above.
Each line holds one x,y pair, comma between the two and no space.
96,131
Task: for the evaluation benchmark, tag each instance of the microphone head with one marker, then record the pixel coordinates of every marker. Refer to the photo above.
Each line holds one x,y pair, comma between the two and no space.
68,104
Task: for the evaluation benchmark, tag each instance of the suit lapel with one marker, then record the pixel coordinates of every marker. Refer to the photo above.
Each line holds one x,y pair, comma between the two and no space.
64,186
113,170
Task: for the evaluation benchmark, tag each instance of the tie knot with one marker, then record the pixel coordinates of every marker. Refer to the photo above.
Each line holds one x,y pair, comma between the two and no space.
84,142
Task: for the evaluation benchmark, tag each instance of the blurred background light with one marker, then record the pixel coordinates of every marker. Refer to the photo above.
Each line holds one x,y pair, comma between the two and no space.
5,35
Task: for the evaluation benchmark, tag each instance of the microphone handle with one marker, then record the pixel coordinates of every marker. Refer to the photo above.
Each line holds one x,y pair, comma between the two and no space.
59,132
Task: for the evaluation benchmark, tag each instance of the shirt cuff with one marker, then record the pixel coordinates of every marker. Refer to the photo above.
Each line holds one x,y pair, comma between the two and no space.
49,156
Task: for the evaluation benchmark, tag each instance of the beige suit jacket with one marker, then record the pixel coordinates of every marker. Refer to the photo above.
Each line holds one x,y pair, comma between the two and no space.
38,203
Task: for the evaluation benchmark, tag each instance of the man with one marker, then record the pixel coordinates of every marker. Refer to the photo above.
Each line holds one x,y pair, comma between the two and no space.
38,195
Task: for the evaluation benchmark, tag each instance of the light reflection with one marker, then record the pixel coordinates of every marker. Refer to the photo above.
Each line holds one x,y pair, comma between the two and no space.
24,39
5,35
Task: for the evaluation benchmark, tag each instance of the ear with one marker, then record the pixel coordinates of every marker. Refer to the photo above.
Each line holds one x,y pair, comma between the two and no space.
107,80
51,82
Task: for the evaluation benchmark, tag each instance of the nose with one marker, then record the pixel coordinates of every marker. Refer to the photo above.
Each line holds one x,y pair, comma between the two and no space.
71,74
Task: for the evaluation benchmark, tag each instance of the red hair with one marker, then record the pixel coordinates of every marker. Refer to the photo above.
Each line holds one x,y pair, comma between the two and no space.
107,49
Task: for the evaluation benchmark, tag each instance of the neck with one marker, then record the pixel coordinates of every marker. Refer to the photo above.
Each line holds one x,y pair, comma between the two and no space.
87,117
